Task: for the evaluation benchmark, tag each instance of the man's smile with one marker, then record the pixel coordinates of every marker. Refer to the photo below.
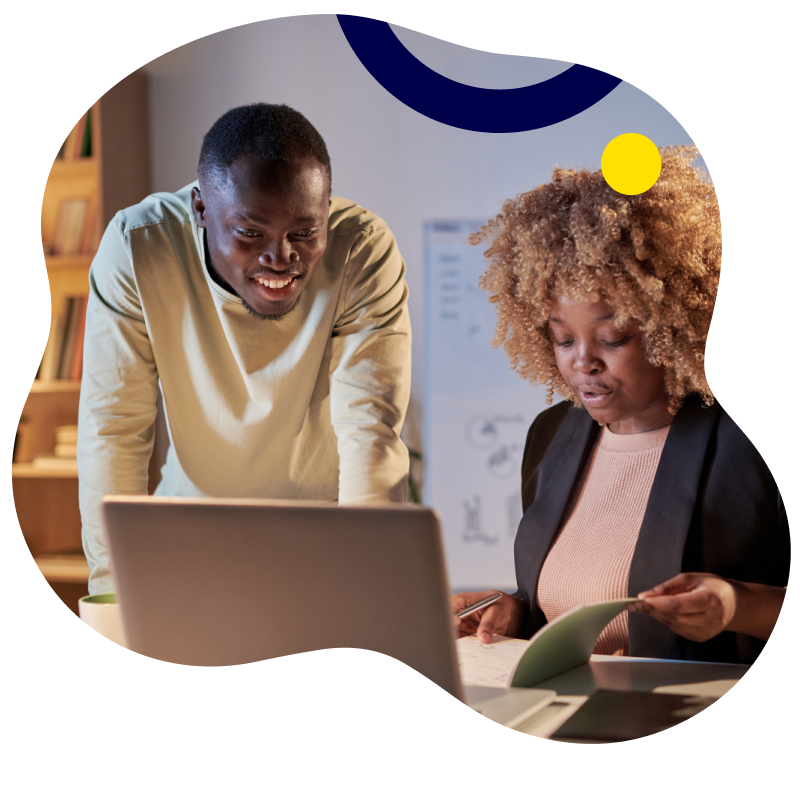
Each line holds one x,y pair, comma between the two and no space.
275,290
273,283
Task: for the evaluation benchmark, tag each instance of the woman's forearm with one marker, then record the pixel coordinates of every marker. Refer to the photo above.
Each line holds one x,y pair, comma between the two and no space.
757,608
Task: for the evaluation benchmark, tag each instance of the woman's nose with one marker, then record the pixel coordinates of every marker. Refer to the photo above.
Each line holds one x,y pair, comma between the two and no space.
587,361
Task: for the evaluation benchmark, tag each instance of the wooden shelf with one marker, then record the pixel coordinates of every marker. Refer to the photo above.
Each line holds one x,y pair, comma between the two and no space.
63,568
55,387
29,471
70,169
115,176
82,261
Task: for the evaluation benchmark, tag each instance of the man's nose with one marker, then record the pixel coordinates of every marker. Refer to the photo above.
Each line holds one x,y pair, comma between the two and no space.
277,254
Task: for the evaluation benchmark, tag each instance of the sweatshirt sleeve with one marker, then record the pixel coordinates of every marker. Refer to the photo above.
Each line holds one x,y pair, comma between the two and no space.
371,372
119,391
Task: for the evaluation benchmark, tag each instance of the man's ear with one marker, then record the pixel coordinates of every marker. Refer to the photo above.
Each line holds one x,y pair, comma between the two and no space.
199,207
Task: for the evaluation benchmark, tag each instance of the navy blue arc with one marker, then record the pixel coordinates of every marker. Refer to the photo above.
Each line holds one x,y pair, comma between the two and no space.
470,107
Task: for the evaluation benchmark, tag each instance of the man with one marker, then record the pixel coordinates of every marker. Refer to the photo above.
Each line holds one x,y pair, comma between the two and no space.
272,315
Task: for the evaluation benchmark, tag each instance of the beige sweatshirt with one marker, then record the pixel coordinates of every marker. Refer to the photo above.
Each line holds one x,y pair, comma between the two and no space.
306,408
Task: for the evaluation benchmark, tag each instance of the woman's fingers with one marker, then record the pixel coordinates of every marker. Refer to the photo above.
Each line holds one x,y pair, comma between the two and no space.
696,606
691,602
677,585
504,617
466,626
493,620
458,602
488,625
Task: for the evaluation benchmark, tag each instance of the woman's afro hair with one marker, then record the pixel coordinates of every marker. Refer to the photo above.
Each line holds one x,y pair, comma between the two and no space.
653,258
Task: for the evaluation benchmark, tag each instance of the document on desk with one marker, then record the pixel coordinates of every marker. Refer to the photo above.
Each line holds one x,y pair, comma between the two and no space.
562,644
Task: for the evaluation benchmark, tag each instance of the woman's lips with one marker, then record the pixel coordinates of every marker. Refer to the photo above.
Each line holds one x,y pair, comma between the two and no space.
595,398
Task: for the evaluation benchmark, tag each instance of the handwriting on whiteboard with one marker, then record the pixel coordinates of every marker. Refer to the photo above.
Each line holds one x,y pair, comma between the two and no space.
477,414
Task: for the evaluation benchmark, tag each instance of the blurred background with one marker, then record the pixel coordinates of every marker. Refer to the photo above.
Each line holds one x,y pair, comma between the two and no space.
432,183
403,166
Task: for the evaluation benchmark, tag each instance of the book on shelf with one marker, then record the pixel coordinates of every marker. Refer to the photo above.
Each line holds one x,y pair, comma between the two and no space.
92,228
68,150
86,139
69,234
23,442
63,355
76,368
48,370
68,342
77,138
47,367
67,441
67,434
78,143
78,228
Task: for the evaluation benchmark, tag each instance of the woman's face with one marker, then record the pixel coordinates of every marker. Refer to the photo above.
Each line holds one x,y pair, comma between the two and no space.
606,367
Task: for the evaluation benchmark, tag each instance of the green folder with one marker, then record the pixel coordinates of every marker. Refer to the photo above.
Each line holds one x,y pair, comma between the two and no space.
566,642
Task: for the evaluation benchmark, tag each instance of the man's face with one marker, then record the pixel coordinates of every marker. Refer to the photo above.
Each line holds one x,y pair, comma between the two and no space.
267,229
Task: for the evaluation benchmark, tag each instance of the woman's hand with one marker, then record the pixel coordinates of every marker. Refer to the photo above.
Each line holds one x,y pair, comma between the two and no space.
695,605
698,606
504,618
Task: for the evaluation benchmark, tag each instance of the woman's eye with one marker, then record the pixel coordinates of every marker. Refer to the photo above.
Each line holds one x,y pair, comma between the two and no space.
565,343
618,343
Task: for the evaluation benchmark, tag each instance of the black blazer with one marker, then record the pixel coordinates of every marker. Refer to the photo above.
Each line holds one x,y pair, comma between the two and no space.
714,507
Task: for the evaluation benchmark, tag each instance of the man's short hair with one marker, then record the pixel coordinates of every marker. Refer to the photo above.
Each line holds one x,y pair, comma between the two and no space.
269,131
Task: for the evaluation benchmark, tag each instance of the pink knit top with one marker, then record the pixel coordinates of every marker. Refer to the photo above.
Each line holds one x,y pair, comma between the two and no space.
590,558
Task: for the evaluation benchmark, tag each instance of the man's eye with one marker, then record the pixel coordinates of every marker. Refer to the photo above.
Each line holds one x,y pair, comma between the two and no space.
305,234
248,234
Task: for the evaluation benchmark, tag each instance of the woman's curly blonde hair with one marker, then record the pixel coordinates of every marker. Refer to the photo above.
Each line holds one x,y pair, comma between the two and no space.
653,258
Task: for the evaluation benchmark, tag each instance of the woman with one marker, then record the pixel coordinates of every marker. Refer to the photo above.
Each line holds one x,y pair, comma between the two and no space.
641,485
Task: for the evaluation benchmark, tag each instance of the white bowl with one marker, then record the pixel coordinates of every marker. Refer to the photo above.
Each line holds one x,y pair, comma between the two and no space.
101,612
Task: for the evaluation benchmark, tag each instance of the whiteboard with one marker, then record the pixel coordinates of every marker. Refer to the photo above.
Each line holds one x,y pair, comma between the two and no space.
477,415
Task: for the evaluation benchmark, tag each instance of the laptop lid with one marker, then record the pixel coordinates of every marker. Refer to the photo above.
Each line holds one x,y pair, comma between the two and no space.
213,582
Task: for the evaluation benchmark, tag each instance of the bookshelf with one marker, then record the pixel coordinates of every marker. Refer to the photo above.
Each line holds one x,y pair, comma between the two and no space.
112,172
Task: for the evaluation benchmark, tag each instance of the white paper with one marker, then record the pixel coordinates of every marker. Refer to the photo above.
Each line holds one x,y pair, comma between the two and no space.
489,664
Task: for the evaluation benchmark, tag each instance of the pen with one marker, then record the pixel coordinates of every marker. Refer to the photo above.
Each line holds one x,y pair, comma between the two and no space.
487,601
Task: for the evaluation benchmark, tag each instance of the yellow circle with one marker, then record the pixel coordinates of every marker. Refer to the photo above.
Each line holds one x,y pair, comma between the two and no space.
631,163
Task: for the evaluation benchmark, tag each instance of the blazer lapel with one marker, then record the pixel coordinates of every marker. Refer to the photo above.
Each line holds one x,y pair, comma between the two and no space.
662,539
562,463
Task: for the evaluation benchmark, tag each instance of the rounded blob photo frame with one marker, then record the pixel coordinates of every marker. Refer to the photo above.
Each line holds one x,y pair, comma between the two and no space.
420,145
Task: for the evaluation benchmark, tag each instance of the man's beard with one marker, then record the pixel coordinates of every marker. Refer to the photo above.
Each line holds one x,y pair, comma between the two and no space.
272,317
220,281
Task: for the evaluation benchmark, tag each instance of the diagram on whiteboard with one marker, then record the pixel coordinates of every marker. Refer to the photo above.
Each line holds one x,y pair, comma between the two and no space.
496,436
477,415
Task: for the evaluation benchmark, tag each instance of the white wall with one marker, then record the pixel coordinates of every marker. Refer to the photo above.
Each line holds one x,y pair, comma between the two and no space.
399,164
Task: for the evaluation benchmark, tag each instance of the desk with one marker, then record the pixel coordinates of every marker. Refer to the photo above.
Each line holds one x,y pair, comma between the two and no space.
632,674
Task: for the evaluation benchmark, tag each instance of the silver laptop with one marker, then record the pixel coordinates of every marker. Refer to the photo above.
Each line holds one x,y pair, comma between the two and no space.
213,582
